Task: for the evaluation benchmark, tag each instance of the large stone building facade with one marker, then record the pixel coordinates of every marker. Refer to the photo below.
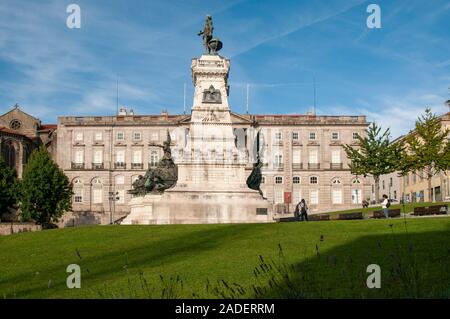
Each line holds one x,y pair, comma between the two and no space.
303,158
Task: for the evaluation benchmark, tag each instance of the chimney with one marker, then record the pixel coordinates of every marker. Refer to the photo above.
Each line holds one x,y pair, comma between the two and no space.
122,111
165,113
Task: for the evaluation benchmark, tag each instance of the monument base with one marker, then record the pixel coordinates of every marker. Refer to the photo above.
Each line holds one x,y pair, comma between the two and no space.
198,207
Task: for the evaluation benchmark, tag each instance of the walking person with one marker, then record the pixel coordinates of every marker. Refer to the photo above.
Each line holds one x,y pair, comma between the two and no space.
297,212
303,210
385,205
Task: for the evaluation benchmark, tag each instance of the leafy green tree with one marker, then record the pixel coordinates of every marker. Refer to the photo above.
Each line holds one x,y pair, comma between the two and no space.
427,149
8,187
375,155
45,191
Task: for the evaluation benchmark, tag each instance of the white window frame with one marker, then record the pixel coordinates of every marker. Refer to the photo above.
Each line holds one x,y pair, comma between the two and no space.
335,138
278,196
312,136
78,195
356,196
139,137
296,196
313,157
336,196
278,135
98,156
120,136
312,178
77,158
98,136
120,179
278,178
136,157
296,156
154,157
336,157
314,197
121,158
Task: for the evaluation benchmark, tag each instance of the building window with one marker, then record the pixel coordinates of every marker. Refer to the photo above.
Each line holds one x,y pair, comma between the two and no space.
356,181
78,195
77,190
279,196
137,157
120,180
97,191
295,136
278,160
120,136
154,158
355,135
263,180
296,156
120,156
314,197
390,181
296,180
336,196
313,158
336,181
395,194
98,156
356,196
278,180
15,124
296,196
79,136
382,184
334,135
79,156
336,157
137,136
313,180
98,136
278,136
312,136
154,136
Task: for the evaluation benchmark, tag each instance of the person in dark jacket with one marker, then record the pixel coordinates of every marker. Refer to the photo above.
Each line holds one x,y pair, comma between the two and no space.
303,209
297,212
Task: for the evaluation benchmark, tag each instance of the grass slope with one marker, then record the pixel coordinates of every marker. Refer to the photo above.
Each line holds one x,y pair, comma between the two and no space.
325,259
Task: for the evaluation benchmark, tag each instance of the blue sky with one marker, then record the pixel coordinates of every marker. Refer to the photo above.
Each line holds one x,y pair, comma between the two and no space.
278,47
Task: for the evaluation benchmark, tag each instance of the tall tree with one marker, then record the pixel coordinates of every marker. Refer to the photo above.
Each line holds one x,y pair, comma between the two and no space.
8,188
45,191
374,155
427,149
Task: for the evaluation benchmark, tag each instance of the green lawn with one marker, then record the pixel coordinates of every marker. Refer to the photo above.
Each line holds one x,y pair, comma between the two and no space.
404,209
318,259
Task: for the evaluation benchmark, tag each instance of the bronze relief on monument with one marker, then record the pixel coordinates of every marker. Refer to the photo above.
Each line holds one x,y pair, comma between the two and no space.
212,95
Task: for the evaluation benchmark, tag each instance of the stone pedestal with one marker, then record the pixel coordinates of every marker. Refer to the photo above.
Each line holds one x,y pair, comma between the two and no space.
211,186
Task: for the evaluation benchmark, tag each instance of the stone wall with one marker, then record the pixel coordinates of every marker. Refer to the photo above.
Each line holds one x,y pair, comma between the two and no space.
14,228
